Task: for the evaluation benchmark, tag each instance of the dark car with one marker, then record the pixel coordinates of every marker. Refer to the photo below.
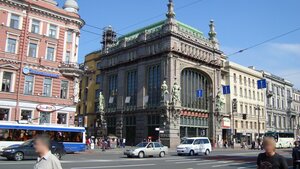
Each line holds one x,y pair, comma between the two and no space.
27,151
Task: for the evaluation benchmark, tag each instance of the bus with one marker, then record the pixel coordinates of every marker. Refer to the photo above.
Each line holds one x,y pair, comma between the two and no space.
283,139
13,133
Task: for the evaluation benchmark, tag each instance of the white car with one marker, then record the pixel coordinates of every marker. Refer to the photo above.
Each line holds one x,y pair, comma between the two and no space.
146,149
194,145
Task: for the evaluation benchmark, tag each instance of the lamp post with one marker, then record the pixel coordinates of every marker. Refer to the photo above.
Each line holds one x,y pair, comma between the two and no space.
258,120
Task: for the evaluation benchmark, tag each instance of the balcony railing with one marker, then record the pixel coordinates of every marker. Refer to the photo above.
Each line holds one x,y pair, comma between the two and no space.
70,69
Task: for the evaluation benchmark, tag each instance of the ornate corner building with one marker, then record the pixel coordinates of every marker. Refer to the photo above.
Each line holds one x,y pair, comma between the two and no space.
150,78
39,73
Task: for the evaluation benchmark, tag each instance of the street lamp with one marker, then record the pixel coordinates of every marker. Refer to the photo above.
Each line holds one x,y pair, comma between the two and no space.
258,120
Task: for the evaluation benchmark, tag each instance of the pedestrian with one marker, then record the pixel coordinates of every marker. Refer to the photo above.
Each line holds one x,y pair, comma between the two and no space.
296,155
270,159
45,160
123,142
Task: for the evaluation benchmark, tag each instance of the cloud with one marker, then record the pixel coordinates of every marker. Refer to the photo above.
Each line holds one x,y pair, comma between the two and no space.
286,48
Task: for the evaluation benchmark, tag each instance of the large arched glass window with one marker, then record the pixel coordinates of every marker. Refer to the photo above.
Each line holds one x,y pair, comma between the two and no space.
191,81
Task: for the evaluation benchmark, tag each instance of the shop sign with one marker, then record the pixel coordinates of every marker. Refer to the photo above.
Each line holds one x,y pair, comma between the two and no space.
27,70
226,122
45,108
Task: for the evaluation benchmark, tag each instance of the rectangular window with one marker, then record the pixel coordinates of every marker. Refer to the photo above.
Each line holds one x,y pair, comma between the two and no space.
235,91
245,81
64,89
61,118
32,50
234,78
26,114
52,31
240,79
6,82
249,82
44,118
35,26
154,83
69,36
11,46
47,87
113,86
241,92
284,122
245,93
242,124
4,114
67,58
275,121
98,79
132,87
14,21
28,86
50,53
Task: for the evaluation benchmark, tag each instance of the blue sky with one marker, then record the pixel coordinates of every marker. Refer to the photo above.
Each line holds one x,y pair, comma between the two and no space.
239,24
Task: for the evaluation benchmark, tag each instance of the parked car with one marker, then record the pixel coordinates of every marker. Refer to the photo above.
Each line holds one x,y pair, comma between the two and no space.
194,145
146,149
27,151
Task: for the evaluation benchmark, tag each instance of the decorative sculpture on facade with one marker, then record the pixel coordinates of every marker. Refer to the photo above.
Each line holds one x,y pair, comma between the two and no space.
76,90
101,102
220,102
164,92
176,93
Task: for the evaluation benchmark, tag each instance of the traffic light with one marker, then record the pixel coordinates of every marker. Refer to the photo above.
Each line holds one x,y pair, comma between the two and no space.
234,105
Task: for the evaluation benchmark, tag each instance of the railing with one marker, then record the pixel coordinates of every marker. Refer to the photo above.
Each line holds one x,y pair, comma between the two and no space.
69,65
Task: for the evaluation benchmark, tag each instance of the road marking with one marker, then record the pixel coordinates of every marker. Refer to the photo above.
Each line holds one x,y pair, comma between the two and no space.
185,162
214,162
181,159
116,166
86,161
223,165
18,163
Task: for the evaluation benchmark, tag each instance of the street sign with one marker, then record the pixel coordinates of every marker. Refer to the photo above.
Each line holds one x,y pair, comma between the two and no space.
226,89
199,93
262,84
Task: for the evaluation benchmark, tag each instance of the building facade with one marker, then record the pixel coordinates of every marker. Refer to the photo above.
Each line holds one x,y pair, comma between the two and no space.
39,73
280,115
249,118
150,79
296,108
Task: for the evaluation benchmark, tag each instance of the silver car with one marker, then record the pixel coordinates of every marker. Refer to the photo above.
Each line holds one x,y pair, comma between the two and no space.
145,149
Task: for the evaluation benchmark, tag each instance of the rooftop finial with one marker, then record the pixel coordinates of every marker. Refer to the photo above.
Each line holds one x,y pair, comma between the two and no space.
71,6
212,33
171,13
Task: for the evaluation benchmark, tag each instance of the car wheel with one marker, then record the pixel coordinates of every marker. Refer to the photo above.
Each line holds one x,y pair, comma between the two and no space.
141,154
207,152
192,153
19,156
162,154
179,154
129,156
57,155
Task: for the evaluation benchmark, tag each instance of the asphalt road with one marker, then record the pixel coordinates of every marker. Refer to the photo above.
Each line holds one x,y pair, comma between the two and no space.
221,159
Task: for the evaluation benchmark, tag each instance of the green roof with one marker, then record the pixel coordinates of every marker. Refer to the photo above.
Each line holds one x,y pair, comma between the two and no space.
159,24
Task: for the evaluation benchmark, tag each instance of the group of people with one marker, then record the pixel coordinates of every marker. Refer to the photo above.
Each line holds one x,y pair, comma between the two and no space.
105,143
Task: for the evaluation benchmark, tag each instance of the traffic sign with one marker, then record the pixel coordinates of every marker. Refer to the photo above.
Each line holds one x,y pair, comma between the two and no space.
262,84
226,89
199,93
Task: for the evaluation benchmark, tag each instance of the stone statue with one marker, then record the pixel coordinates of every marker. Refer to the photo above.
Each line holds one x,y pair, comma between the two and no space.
101,102
164,91
76,90
176,93
220,102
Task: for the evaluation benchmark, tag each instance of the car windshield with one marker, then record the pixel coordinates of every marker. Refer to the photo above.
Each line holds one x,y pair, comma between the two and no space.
141,145
188,141
28,142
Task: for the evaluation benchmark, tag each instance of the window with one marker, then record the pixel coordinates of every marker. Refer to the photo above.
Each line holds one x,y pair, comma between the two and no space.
234,78
6,82
269,120
247,124
154,83
254,95
11,45
242,124
275,121
35,26
64,89
14,21
4,114
61,118
28,88
52,31
26,114
250,110
255,125
246,109
245,81
282,104
258,98
44,117
32,50
245,93
69,36
236,124
241,108
235,91
262,97
50,53
112,87
250,94
284,122
132,87
251,125
67,58
253,83
98,79
241,92
249,82
47,87
279,122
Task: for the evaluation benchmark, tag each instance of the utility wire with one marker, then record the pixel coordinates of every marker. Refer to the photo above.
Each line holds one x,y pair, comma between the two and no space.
265,41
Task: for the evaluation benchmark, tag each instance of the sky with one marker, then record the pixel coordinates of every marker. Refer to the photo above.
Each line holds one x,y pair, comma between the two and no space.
239,24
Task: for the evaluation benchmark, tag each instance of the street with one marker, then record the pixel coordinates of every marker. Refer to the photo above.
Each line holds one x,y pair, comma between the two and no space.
224,159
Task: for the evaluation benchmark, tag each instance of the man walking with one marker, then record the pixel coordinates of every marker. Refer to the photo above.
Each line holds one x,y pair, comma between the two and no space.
296,156
270,159
46,159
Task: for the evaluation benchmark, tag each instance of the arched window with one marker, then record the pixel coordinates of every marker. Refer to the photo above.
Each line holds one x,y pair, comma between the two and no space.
191,81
